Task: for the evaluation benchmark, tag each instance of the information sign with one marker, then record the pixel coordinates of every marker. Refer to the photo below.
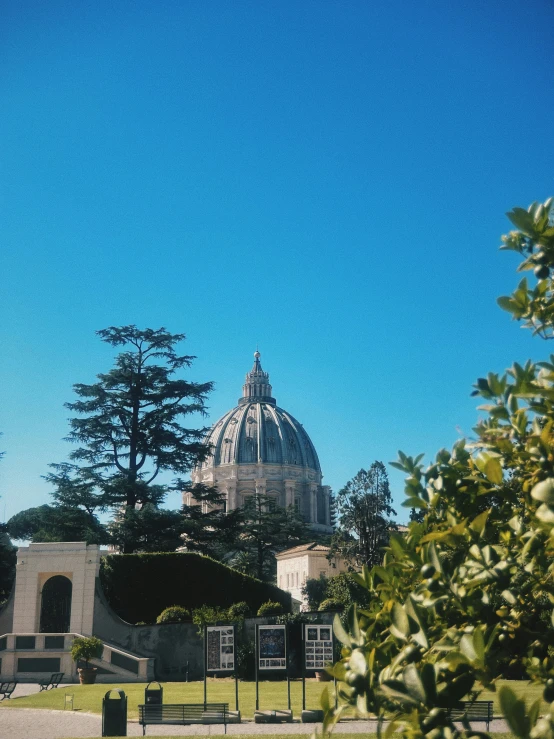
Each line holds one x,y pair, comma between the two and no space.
272,648
220,649
319,646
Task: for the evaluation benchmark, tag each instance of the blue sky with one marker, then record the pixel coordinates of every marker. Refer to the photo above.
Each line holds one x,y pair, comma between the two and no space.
327,179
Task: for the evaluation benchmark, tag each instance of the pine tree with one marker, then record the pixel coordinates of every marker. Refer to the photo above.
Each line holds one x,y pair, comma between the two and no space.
266,529
364,524
129,428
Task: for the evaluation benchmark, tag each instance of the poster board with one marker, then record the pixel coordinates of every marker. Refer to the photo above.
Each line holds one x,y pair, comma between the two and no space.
272,647
318,646
220,648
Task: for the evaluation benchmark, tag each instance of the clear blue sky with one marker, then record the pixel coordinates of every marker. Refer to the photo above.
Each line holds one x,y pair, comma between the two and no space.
328,179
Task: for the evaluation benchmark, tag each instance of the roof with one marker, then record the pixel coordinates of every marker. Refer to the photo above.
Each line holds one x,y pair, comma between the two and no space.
311,547
257,431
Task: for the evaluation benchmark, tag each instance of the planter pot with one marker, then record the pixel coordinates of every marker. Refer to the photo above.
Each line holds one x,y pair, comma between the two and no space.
87,675
323,676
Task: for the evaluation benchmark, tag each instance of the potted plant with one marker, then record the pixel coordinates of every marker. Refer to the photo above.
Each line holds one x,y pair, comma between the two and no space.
85,648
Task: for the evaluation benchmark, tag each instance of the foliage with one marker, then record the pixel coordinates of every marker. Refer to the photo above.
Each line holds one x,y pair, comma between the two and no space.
455,599
86,648
265,529
129,428
246,660
8,557
208,615
239,611
139,586
173,615
342,588
331,604
314,590
270,608
56,523
149,529
364,509
206,527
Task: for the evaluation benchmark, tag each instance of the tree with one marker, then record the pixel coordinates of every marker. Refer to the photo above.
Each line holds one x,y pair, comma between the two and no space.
364,510
465,591
206,527
129,428
266,529
56,523
8,556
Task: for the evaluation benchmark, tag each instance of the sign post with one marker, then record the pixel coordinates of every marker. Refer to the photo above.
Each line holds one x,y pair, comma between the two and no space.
220,653
272,654
317,652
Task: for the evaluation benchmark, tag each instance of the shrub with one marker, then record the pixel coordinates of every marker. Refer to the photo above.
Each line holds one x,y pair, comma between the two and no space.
331,604
270,608
239,611
86,648
173,615
208,615
246,662
315,591
139,586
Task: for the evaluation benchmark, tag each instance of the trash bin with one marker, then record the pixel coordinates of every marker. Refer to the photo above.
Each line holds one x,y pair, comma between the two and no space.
153,696
114,714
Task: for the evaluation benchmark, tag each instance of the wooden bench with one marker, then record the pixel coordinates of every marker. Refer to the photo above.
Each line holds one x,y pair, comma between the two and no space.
472,711
184,713
53,681
6,689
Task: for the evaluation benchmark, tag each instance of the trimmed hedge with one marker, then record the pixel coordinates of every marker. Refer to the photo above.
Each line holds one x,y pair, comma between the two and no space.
140,586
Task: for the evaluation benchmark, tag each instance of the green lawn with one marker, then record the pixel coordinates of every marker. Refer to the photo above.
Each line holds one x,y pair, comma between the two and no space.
88,698
273,695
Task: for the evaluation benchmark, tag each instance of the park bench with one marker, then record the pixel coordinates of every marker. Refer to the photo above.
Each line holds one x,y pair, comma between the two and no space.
6,689
53,681
183,713
472,711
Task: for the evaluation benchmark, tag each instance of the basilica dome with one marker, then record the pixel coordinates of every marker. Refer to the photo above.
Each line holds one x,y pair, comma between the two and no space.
259,448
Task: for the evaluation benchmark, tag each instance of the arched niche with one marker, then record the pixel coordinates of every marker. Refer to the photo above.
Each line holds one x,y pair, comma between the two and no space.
55,606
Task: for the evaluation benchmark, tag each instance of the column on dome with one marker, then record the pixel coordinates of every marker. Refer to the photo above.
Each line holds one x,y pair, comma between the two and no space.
231,490
327,498
260,486
313,502
290,488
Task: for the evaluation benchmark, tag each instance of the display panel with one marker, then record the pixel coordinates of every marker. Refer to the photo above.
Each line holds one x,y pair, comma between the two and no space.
318,646
220,648
272,648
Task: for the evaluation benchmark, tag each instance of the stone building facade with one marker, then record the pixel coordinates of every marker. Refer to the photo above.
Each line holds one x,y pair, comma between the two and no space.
306,561
260,449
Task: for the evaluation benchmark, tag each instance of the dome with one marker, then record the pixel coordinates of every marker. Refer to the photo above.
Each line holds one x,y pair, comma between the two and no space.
258,447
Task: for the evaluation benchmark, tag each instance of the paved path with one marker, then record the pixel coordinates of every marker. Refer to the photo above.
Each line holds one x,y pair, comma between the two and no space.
34,723
37,723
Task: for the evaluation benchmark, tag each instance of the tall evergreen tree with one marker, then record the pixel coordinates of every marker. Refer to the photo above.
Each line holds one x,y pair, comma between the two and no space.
129,428
266,529
7,560
206,527
364,510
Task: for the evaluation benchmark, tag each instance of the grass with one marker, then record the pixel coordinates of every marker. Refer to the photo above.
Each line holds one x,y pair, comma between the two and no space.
88,698
273,695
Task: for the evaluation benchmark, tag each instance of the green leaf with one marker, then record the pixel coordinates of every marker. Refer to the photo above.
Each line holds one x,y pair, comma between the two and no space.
522,220
414,684
340,633
400,626
544,491
429,682
493,471
514,712
478,523
357,662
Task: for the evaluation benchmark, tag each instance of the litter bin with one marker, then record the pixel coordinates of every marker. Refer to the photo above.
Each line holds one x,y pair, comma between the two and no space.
114,714
153,696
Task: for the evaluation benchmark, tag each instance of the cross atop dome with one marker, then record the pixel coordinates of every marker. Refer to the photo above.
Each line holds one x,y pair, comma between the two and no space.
256,386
